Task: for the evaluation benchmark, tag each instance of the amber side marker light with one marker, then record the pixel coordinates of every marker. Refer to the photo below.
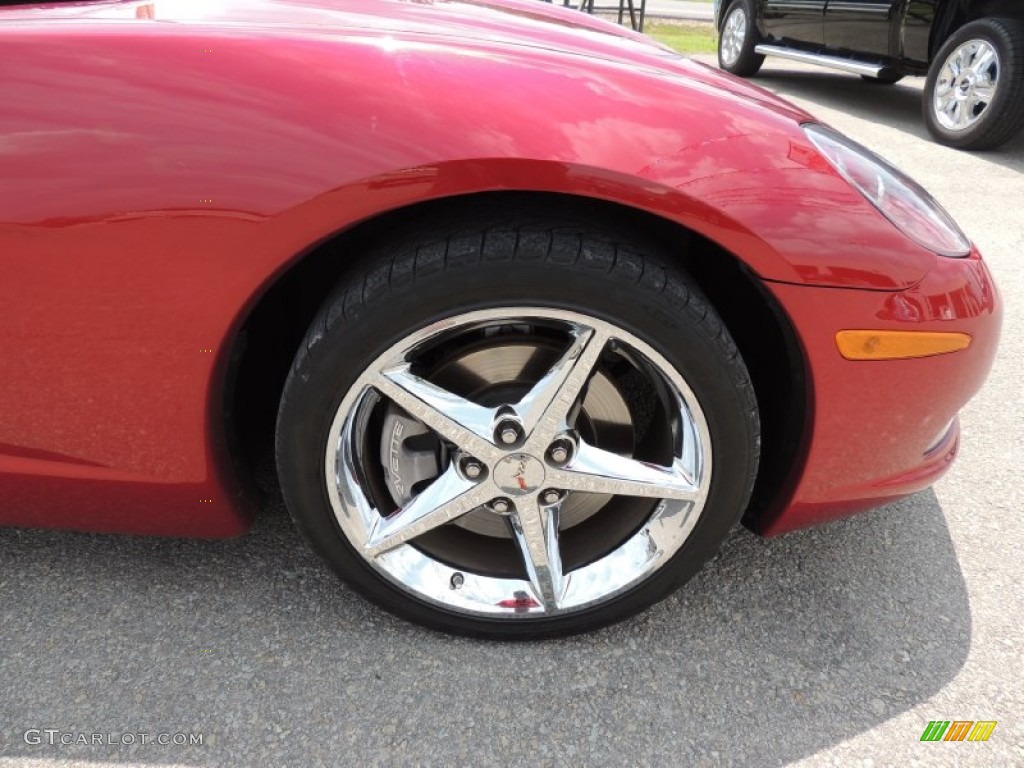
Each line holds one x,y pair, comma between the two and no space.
898,345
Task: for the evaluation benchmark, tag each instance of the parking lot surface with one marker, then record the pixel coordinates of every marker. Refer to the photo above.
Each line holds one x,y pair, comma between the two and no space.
834,646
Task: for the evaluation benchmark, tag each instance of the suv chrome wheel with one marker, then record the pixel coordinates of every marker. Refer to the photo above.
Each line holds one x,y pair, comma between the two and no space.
734,33
518,462
966,85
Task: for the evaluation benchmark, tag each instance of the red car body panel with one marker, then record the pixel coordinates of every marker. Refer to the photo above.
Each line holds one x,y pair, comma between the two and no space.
162,164
882,429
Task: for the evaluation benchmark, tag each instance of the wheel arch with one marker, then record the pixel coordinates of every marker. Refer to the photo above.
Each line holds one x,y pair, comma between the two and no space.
261,351
956,15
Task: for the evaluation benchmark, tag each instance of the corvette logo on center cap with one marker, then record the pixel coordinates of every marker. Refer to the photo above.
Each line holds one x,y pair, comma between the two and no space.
519,474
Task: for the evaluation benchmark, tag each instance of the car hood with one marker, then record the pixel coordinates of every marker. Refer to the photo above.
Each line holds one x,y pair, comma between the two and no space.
520,24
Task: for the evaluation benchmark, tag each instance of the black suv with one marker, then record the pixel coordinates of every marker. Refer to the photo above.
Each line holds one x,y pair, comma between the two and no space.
972,52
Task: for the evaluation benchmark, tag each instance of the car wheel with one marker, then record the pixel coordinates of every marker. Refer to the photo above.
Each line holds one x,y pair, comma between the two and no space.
516,430
737,40
974,95
883,79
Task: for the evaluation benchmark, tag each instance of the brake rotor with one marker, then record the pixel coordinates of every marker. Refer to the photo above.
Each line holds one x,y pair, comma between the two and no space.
413,456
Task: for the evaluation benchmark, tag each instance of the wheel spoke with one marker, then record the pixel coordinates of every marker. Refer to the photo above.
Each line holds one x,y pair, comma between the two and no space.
535,530
960,117
983,95
454,418
548,405
447,498
593,470
984,60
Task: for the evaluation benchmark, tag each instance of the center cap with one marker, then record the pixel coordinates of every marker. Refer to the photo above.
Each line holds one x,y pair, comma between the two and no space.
518,474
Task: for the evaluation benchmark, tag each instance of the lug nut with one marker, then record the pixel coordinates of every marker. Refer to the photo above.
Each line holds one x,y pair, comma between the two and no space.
551,496
501,506
508,432
472,468
559,452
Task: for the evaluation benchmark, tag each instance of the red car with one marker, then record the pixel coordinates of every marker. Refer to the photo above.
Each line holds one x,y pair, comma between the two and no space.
530,310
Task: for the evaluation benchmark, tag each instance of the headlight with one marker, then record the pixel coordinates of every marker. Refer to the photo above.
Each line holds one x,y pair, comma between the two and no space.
900,199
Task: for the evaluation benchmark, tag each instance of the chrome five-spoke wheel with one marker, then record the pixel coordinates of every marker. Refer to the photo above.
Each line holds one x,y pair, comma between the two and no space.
518,461
545,434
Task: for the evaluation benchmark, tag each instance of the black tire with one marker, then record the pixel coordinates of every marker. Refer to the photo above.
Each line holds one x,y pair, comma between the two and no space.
883,79
440,269
748,61
1003,118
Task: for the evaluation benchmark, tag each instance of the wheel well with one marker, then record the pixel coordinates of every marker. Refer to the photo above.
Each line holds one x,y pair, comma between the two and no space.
1006,8
958,14
264,348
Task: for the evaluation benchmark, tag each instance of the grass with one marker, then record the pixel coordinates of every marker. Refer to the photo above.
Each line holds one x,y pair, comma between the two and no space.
684,37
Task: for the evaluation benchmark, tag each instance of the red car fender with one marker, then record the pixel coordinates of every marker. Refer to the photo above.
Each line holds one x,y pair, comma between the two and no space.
155,178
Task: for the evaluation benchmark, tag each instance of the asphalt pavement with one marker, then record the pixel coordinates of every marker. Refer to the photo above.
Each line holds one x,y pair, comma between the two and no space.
833,646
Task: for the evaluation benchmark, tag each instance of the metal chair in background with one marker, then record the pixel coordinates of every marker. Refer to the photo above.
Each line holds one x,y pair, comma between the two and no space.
636,14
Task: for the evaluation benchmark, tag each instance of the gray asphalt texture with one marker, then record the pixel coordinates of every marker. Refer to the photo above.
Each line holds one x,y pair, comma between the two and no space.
833,646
